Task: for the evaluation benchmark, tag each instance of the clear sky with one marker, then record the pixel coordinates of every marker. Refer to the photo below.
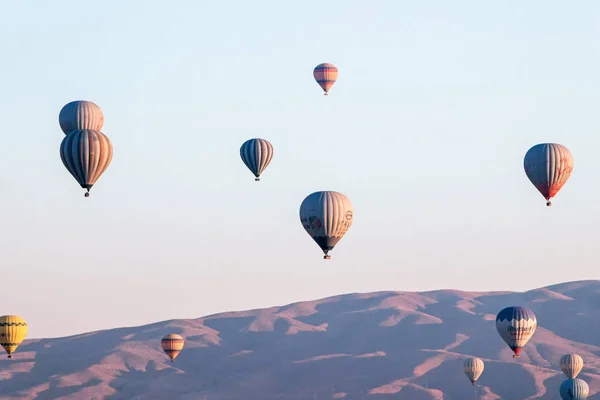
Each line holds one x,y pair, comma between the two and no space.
425,131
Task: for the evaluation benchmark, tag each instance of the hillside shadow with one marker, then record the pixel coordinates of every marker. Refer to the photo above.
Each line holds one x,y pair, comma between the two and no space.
167,383
230,326
54,392
50,356
346,304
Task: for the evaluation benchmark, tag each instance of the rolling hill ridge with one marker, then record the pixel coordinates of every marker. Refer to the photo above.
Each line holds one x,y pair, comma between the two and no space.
384,345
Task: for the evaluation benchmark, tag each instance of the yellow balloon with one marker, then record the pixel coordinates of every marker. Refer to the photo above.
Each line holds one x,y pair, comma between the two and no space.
13,330
172,344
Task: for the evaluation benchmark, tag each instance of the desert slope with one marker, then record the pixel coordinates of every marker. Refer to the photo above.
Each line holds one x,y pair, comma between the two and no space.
385,345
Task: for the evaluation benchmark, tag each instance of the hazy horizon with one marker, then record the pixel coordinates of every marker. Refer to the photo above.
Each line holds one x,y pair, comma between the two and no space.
425,132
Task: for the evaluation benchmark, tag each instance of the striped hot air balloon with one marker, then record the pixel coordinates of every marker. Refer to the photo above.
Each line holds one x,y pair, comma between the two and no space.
325,74
256,154
473,368
80,114
516,325
574,389
86,154
548,166
326,216
13,330
172,344
571,365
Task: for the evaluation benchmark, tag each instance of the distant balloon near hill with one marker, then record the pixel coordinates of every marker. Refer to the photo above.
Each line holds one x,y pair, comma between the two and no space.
574,389
172,344
473,368
516,325
13,330
571,365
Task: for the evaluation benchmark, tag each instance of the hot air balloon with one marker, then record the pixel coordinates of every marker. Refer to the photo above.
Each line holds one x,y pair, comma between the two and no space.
172,345
86,154
325,74
80,114
571,365
256,154
548,166
473,368
516,325
326,216
574,389
13,330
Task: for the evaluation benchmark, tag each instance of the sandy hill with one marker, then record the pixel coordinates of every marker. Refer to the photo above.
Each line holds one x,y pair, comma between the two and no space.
385,345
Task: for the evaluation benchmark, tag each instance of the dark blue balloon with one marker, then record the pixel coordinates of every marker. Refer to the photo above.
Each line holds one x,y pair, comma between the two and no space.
515,313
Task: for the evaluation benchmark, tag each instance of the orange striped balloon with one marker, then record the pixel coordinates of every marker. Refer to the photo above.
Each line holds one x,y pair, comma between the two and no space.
172,344
325,74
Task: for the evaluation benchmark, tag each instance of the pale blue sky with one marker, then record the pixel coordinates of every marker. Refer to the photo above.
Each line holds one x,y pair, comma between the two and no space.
425,131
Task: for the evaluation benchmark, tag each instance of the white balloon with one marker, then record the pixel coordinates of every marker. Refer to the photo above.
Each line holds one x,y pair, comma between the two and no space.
571,365
473,368
326,217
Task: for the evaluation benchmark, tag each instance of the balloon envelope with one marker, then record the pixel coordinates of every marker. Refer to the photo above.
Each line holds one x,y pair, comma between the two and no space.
172,344
571,365
516,325
13,330
574,389
548,166
326,217
86,154
80,114
256,154
473,368
325,74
